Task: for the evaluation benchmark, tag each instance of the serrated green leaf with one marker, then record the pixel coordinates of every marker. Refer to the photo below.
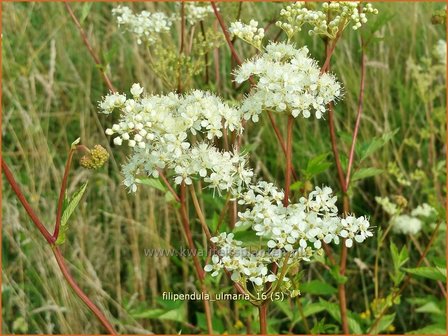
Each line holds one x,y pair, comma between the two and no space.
434,273
433,329
376,143
317,165
152,182
69,207
430,308
366,172
317,287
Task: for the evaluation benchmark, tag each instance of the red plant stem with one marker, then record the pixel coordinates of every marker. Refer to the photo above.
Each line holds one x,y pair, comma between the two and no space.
199,271
182,27
280,140
263,313
89,48
182,43
62,193
57,253
95,310
343,256
15,187
288,159
226,33
334,146
168,185
358,118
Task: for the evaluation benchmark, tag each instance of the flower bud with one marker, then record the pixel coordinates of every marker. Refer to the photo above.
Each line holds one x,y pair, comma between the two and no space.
96,158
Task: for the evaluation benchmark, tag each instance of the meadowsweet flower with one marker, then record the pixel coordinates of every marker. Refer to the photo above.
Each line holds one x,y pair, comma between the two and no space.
424,210
146,26
157,128
406,224
197,12
248,32
299,229
288,82
332,17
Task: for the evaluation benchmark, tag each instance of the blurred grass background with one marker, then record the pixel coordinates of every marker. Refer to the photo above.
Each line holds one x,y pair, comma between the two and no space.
50,92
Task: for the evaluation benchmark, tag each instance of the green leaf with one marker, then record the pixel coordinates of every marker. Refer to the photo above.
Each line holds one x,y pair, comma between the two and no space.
340,279
318,288
375,144
85,11
430,308
366,172
398,260
433,329
317,165
152,182
434,273
333,310
383,324
296,185
75,143
69,207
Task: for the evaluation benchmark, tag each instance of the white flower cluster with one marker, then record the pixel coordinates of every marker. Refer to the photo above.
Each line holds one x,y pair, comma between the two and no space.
298,229
158,127
328,21
411,223
248,32
288,81
406,224
196,13
145,25
440,51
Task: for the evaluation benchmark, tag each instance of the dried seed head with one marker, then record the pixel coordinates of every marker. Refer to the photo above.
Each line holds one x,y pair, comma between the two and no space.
96,158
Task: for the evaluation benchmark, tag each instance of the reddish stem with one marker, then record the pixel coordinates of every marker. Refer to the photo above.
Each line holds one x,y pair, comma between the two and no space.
334,146
199,271
358,118
57,253
95,310
89,48
226,33
168,185
288,159
263,312
15,187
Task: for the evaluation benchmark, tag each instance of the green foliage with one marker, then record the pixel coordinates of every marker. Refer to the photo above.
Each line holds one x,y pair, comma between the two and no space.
68,207
434,273
398,260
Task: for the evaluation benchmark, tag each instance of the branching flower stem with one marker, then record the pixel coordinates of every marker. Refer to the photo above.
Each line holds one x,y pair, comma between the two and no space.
344,179
199,270
56,251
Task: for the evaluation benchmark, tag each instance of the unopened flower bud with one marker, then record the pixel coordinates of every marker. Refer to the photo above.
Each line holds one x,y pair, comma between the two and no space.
96,158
